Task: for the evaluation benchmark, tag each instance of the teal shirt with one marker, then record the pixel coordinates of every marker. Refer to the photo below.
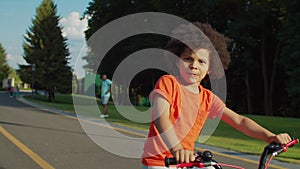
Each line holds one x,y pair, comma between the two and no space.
105,86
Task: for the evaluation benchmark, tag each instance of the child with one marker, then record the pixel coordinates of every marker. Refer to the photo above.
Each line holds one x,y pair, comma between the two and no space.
181,105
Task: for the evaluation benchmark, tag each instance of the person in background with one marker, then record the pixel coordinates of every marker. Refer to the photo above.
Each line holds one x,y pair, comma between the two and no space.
15,91
9,90
105,94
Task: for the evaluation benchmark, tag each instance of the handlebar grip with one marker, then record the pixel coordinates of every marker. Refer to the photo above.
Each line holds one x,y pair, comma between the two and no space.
170,161
292,143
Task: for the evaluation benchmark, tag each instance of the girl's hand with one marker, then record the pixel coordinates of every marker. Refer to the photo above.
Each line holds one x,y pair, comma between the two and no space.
282,138
184,156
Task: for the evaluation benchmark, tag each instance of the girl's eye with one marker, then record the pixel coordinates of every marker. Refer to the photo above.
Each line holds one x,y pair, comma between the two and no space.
186,58
202,61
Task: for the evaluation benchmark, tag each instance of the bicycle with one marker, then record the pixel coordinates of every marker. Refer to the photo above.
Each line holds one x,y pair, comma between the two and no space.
204,159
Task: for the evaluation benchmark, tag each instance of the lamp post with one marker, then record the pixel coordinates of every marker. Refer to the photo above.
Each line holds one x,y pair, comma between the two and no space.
32,85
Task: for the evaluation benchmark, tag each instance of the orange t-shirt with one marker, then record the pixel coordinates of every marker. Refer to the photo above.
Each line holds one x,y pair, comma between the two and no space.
188,112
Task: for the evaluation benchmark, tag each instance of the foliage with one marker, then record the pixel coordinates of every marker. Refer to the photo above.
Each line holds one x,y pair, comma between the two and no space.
290,37
4,68
102,12
256,53
45,47
263,77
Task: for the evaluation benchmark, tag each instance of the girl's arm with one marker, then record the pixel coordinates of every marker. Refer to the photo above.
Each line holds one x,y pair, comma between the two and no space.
161,109
251,128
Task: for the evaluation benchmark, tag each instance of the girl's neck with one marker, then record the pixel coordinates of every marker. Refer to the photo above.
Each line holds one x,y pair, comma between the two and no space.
194,88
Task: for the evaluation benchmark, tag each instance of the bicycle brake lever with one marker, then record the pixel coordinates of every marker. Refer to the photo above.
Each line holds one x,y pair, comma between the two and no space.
275,148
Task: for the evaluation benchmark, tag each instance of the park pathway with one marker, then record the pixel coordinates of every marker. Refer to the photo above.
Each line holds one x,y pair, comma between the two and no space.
33,137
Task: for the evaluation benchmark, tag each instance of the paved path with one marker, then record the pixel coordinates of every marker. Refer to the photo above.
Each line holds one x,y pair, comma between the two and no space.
57,141
60,142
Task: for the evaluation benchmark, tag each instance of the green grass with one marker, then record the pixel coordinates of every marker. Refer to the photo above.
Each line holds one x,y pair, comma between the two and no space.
65,103
224,136
62,102
229,138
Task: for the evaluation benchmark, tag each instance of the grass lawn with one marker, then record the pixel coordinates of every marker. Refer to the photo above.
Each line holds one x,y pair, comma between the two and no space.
224,136
229,138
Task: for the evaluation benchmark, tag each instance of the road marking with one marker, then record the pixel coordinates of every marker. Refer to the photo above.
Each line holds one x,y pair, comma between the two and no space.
36,158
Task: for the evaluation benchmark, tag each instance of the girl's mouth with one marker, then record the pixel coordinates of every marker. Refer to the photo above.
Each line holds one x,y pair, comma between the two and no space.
193,74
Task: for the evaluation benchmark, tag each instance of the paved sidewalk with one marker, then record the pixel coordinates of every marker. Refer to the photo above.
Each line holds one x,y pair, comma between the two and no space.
219,151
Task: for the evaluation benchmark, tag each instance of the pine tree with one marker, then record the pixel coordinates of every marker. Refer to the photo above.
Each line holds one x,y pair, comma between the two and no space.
4,68
46,48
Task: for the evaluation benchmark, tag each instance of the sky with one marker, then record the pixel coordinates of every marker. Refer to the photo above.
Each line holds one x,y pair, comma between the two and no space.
16,17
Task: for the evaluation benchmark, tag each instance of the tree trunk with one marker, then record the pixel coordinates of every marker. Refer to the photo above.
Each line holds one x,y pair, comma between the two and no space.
273,74
249,102
267,99
51,95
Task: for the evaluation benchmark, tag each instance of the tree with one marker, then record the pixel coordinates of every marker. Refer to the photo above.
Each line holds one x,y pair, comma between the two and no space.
257,49
45,47
103,12
4,68
289,57
262,49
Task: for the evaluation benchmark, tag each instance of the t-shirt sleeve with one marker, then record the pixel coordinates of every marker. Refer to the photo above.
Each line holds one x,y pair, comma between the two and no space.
163,87
217,107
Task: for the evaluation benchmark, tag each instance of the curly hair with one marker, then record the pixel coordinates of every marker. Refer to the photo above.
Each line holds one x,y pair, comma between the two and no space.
201,35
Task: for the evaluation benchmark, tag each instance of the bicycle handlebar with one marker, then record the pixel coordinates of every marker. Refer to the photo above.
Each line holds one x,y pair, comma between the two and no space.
172,161
292,143
274,149
205,159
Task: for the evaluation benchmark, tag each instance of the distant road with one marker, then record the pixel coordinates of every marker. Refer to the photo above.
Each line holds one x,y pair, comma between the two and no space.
33,138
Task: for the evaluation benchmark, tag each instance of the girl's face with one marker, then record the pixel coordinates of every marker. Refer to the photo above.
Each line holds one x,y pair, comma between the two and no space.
192,66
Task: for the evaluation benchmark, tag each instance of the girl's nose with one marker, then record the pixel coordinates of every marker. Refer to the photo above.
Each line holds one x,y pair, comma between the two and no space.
193,65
